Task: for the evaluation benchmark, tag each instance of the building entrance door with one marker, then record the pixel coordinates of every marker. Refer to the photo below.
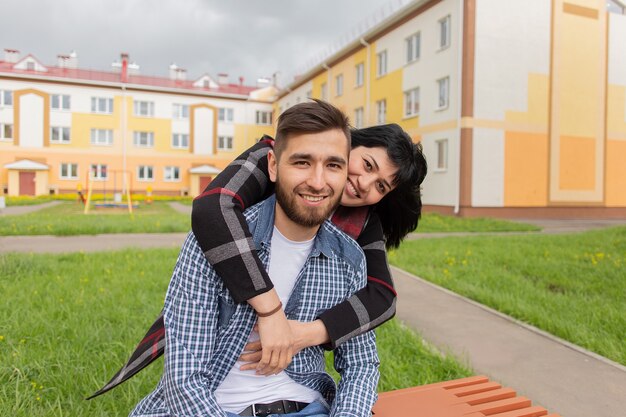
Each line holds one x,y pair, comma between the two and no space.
204,182
27,183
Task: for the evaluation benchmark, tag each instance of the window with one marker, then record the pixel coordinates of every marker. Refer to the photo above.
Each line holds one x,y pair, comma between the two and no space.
6,131
339,84
225,143
69,171
101,105
101,137
442,154
99,171
444,85
381,63
144,173
226,115
6,98
360,73
143,139
412,44
263,117
30,66
444,32
358,117
59,134
171,174
143,108
180,140
324,92
412,102
60,102
381,111
180,111
614,6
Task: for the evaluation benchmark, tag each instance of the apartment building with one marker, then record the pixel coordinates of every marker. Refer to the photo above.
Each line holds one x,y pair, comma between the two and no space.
60,124
520,105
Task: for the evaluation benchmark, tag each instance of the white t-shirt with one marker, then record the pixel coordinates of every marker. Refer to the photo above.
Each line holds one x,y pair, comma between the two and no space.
242,388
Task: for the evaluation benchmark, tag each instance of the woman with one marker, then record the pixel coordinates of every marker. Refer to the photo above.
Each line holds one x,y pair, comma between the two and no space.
380,205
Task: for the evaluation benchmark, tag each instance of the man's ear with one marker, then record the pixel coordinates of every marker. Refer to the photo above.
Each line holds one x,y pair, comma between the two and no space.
272,165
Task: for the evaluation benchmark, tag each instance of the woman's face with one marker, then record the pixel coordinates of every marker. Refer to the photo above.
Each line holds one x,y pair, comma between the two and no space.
370,175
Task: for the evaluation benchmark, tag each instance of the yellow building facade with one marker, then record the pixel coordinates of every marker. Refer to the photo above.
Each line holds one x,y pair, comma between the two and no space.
520,105
60,126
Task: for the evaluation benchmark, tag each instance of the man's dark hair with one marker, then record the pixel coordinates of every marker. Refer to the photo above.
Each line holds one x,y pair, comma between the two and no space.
309,117
401,208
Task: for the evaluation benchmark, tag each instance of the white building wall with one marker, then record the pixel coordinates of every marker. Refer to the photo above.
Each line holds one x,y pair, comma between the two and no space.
440,186
31,121
617,49
434,63
203,131
298,95
488,168
512,40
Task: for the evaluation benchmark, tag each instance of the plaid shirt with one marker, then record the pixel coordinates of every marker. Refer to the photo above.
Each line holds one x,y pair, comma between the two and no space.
206,330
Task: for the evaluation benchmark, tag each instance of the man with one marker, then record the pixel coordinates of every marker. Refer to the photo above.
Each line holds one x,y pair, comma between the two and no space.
313,265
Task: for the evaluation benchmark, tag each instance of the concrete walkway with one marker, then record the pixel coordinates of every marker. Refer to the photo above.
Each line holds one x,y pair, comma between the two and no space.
90,243
553,373
14,210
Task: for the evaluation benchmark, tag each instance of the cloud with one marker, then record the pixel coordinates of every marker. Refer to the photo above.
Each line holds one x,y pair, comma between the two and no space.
249,38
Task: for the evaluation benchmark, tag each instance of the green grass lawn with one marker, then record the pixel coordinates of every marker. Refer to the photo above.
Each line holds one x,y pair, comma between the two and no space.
572,286
68,322
68,219
437,223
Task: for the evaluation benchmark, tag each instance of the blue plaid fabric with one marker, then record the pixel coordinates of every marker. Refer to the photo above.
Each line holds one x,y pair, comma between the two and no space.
206,330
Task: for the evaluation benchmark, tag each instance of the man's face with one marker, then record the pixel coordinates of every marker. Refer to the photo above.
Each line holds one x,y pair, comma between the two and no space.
310,176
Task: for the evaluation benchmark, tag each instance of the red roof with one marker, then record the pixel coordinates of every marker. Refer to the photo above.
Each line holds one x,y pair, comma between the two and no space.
116,77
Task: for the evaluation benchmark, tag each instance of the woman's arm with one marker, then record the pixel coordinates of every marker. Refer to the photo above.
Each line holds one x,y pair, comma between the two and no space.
377,299
220,228
343,321
222,232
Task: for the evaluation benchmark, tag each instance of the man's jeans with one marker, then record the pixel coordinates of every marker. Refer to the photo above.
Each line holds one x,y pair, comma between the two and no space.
315,409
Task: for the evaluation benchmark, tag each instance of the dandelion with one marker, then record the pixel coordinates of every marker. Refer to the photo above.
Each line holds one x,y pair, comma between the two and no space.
38,398
1,338
22,341
445,271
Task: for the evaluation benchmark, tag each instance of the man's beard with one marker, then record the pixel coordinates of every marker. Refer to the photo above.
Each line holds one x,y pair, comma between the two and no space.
304,216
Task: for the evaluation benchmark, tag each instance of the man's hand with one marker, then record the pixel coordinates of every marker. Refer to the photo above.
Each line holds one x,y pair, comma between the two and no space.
277,343
304,335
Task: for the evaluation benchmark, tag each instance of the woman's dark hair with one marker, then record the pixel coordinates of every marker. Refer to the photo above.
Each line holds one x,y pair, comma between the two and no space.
401,208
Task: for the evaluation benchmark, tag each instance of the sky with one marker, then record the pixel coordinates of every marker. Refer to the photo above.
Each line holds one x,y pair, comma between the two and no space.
249,38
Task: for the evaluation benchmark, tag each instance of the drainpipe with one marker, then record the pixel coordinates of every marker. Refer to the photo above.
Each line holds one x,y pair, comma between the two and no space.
457,203
366,71
327,68
123,124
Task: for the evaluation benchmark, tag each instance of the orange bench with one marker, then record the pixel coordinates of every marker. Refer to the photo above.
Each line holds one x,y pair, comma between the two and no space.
467,397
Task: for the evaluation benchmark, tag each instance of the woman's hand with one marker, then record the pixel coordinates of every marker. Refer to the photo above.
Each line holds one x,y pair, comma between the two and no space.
305,335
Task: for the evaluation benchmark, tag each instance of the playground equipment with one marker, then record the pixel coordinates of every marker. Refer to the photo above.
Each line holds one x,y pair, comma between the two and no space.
117,192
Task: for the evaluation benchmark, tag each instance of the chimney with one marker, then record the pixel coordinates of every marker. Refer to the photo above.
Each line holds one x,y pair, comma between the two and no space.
11,55
262,82
124,76
222,79
67,61
240,81
177,73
